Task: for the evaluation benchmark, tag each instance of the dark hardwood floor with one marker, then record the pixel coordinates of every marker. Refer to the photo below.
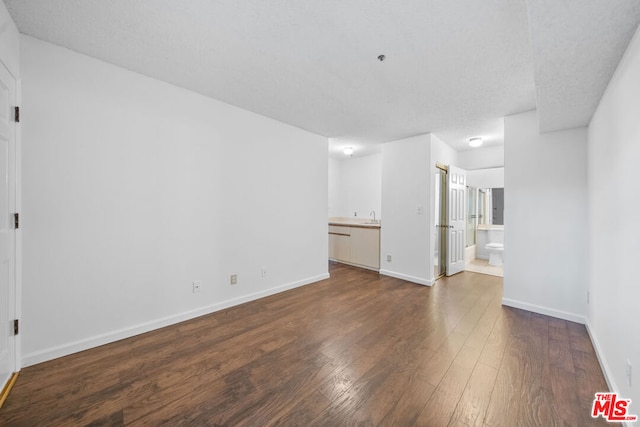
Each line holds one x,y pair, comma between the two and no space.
357,349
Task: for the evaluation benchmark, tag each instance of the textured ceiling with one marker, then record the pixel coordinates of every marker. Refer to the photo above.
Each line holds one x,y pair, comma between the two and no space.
454,68
577,46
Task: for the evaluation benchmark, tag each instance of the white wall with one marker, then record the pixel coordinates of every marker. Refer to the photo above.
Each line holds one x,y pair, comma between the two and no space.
405,234
134,188
545,218
358,188
337,202
481,158
442,153
9,42
486,178
614,226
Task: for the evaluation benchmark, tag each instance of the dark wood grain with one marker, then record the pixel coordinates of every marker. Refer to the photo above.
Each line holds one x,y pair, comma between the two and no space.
357,349
472,406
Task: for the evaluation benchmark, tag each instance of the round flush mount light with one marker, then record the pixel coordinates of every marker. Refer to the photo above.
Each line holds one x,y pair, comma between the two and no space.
475,142
347,151
381,58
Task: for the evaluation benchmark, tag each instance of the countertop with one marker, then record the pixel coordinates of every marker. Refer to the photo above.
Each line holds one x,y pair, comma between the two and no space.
490,227
354,222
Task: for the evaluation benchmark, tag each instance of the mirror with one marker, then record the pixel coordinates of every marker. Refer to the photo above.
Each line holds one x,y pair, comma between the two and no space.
472,214
491,206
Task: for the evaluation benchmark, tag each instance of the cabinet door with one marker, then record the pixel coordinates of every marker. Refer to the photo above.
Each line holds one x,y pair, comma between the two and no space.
365,247
339,246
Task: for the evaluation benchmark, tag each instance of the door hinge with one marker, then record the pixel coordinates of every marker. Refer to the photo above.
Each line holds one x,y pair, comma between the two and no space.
16,327
16,220
16,114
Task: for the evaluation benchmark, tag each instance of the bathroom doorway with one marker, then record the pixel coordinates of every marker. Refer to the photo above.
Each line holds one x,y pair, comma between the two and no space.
440,215
488,227
450,220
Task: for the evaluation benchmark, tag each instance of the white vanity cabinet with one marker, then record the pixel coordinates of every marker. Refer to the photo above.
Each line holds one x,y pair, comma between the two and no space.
339,243
365,247
355,244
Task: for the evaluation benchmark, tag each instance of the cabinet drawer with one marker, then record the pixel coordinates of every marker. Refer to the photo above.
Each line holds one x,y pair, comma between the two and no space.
340,230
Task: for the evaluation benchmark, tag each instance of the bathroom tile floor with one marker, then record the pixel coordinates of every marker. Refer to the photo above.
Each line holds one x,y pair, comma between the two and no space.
482,266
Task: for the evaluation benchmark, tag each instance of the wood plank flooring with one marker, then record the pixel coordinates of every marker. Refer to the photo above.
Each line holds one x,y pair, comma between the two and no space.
356,349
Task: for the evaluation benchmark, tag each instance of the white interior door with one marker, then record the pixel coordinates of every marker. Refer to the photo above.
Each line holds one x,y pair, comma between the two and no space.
7,229
456,233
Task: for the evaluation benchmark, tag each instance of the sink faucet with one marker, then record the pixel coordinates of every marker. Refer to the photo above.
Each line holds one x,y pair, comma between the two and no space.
374,215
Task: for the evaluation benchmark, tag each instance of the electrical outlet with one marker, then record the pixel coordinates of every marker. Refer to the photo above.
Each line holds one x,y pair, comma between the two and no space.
629,372
420,210
196,286
264,272
388,258
587,297
234,279
355,214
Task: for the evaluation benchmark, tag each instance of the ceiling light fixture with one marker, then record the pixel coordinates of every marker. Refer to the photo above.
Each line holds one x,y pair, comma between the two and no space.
347,151
475,142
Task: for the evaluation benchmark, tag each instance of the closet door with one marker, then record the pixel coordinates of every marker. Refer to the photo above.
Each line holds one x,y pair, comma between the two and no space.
457,180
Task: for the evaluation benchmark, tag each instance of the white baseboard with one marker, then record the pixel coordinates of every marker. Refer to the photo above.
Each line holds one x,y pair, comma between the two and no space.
544,310
608,376
366,267
408,278
109,337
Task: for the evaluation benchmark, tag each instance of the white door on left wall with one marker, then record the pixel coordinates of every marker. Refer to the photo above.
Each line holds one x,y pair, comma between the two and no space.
8,363
456,233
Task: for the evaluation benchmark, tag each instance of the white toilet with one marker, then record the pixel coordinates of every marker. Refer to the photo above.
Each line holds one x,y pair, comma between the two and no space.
495,247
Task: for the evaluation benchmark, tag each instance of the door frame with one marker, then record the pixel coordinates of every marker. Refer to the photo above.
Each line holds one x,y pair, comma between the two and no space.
442,220
17,247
